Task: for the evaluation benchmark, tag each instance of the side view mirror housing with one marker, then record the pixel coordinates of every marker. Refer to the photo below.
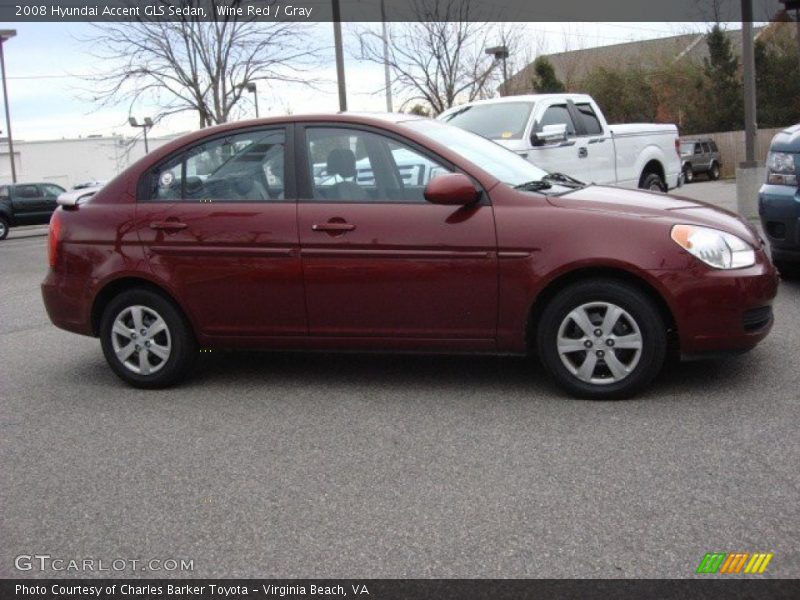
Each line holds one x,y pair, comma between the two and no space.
550,134
452,189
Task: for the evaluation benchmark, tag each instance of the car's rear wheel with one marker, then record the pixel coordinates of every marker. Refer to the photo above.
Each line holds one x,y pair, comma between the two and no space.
146,340
713,172
653,182
3,228
688,174
602,339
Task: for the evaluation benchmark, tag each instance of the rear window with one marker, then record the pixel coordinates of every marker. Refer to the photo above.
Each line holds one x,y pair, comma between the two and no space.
501,121
591,123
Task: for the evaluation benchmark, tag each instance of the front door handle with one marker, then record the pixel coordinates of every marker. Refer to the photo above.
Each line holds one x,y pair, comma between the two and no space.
333,227
583,152
168,225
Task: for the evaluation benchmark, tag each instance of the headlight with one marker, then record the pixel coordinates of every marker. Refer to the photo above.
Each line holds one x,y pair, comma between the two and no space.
715,248
780,169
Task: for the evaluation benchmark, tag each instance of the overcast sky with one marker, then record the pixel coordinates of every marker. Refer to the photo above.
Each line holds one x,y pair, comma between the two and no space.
50,100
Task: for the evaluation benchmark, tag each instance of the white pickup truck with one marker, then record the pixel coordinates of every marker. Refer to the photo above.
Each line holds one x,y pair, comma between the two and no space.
568,133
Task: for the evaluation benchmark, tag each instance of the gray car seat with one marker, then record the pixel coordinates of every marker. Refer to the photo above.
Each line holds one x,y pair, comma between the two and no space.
342,162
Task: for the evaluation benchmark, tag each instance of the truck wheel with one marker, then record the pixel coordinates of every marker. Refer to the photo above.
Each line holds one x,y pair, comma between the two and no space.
688,174
713,172
3,227
653,182
146,340
602,339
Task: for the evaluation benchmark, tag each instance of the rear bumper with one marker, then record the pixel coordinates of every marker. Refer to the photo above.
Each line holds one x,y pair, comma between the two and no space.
67,303
779,209
722,311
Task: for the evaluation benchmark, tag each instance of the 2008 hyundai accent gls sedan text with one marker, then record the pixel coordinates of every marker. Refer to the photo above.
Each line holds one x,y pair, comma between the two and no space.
395,233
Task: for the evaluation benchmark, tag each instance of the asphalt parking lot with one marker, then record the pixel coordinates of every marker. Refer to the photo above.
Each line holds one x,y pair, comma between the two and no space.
270,465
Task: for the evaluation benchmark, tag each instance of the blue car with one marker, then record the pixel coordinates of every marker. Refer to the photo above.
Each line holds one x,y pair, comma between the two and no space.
779,201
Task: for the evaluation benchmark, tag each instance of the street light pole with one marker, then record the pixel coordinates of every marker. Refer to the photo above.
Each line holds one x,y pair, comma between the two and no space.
337,42
386,74
5,35
251,87
501,53
148,123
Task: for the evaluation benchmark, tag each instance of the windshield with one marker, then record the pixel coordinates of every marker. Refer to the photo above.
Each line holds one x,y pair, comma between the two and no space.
493,158
501,121
687,148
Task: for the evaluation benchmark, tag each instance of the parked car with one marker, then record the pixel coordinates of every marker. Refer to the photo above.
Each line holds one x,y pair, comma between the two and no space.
80,193
700,155
26,204
779,201
569,133
485,254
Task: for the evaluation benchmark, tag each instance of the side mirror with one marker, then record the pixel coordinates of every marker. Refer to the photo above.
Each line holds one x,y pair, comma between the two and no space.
453,189
550,134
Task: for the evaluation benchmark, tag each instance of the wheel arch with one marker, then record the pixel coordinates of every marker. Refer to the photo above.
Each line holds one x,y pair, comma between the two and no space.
564,280
116,286
653,166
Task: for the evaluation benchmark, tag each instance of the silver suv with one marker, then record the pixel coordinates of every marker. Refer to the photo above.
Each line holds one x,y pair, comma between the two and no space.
700,155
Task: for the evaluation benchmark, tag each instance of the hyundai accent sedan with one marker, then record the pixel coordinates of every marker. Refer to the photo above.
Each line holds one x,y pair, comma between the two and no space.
395,233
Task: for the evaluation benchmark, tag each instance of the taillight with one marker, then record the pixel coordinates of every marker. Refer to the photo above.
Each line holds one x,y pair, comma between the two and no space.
678,146
54,238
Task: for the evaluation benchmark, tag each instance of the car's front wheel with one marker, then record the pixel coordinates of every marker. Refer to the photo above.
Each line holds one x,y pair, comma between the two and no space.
602,339
146,340
688,174
3,228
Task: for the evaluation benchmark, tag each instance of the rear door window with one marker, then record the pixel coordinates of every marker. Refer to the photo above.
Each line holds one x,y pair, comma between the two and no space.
591,124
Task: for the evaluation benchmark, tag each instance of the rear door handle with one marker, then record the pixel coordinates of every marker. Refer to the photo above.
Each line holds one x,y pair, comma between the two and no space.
168,225
583,152
333,227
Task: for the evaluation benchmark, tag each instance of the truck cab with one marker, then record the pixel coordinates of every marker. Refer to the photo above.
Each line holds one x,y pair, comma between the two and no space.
568,133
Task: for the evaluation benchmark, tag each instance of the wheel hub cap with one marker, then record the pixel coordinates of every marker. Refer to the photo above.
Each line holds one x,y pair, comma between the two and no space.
609,326
147,351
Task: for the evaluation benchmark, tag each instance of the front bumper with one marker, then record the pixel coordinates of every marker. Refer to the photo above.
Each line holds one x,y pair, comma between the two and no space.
721,311
779,209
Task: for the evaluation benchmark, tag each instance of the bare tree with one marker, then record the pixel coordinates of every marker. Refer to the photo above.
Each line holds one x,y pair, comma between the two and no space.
195,65
439,58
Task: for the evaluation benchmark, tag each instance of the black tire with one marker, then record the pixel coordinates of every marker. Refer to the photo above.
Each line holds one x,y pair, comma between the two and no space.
4,227
653,182
179,337
788,269
637,305
713,172
688,174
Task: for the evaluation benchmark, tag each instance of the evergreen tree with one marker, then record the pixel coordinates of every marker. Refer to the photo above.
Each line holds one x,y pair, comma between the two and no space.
777,84
724,103
544,79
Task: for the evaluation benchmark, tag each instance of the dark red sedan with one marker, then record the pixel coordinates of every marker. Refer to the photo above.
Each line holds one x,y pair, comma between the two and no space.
396,233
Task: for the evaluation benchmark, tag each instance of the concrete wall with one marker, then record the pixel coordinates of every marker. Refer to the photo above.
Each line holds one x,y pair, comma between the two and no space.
67,162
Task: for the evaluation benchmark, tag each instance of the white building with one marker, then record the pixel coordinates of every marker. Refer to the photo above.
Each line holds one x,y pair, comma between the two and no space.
70,161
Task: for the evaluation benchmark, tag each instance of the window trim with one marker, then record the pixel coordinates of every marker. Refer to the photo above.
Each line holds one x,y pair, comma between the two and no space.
304,185
144,185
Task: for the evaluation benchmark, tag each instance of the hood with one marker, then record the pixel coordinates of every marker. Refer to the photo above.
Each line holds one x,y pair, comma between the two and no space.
514,145
653,205
787,140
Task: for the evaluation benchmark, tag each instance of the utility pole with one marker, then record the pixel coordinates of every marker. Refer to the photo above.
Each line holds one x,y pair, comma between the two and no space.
749,64
750,173
337,42
386,74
